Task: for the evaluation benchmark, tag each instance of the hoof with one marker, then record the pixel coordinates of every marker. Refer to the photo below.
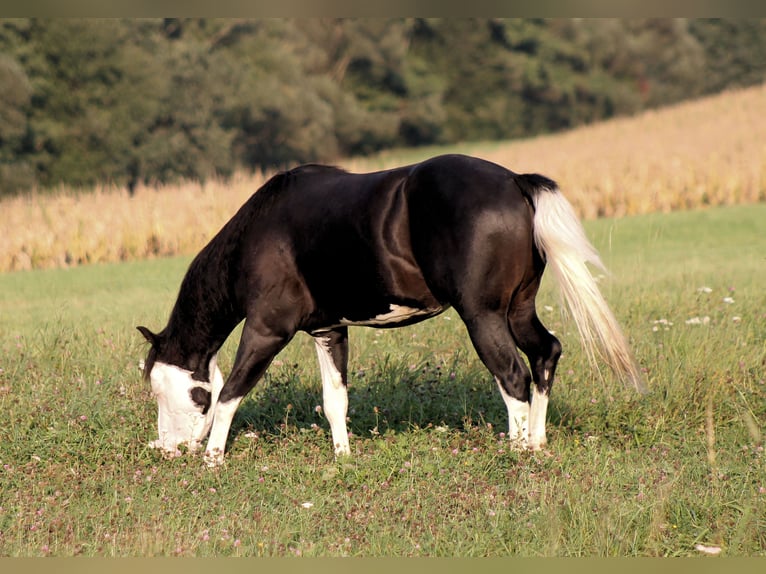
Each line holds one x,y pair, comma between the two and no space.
166,452
518,445
213,459
537,443
342,451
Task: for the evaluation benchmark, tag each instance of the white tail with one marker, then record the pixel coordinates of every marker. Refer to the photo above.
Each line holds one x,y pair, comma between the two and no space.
560,237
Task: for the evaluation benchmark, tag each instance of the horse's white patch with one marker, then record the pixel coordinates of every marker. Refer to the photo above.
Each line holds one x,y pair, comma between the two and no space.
179,418
397,314
335,397
537,413
518,418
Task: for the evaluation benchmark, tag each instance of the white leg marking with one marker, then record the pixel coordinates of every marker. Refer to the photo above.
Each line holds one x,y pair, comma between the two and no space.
518,419
537,412
216,444
216,380
334,396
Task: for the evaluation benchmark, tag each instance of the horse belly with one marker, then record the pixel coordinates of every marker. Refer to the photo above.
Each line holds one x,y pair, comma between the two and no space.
397,316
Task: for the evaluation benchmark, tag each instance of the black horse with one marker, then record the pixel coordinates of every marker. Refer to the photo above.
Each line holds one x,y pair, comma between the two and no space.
317,249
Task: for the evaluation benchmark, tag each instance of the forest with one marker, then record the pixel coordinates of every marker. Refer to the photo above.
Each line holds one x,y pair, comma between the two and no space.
128,101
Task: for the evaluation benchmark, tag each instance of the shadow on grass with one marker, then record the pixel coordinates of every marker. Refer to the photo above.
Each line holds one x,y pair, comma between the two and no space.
392,396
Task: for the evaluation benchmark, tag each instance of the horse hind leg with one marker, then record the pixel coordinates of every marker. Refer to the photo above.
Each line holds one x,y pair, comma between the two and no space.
332,352
494,343
543,351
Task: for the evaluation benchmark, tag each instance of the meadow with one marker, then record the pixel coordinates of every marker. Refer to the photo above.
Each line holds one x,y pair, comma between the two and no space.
674,199
680,471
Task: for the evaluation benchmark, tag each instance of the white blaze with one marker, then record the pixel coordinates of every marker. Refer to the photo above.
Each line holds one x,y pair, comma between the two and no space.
179,418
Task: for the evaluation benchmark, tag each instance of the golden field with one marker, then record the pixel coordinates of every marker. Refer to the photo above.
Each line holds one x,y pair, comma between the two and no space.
706,152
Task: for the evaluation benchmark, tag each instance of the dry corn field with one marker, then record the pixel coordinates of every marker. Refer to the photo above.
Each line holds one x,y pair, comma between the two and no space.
706,152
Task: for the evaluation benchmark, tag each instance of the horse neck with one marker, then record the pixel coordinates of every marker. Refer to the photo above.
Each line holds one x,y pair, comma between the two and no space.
203,317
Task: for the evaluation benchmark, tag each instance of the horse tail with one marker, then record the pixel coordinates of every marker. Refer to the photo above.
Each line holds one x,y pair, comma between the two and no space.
561,241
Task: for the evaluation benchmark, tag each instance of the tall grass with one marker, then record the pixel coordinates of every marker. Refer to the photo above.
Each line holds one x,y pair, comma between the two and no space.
708,152
678,472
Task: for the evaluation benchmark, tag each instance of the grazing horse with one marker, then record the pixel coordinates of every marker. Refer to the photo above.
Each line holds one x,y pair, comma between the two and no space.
317,249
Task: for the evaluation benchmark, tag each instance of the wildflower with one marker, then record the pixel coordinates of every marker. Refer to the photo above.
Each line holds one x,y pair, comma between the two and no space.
704,290
728,300
698,320
318,409
736,319
711,550
307,504
237,543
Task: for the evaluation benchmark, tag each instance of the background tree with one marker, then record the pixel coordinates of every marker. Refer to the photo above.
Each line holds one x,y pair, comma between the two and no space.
154,100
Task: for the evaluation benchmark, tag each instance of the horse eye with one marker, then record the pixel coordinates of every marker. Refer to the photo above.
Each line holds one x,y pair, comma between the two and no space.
201,398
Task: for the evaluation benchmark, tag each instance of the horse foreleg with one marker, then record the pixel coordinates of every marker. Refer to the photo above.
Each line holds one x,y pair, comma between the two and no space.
255,353
216,444
332,352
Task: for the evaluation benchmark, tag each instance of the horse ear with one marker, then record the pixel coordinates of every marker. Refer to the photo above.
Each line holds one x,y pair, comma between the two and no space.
148,335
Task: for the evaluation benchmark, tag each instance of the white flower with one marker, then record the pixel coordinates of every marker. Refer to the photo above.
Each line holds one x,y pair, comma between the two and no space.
307,504
712,550
728,300
704,290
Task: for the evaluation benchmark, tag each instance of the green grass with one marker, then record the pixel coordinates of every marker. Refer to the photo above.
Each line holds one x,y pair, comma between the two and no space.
624,475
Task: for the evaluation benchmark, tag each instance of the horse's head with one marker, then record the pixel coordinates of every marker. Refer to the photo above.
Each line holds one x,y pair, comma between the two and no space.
185,405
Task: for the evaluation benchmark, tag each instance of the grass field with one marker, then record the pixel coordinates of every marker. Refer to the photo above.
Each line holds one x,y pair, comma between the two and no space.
624,475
